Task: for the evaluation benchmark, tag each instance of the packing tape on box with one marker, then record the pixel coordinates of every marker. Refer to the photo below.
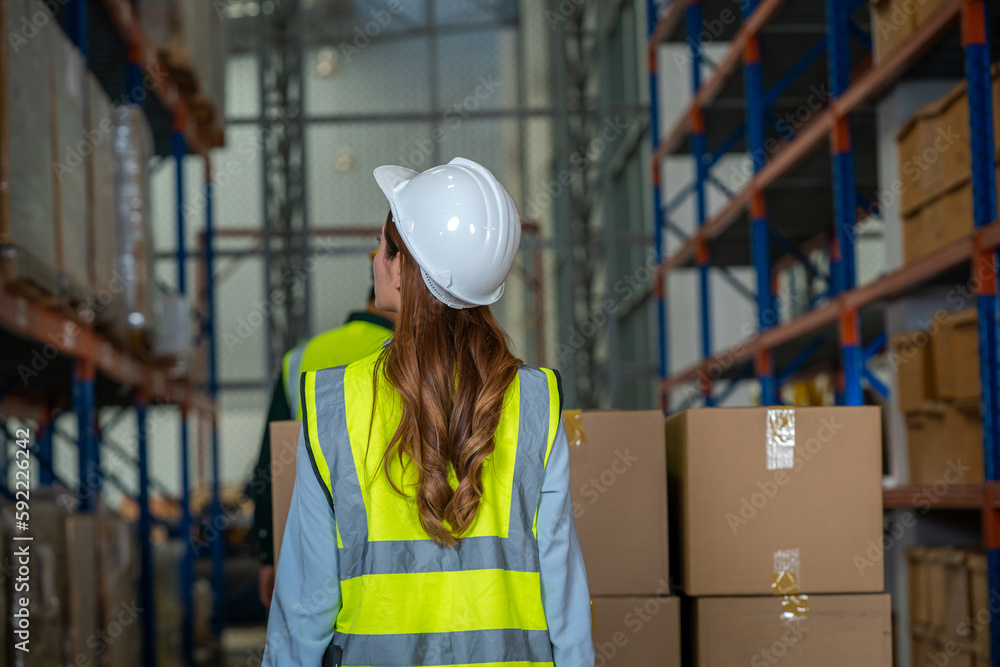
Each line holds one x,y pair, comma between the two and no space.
785,577
573,423
794,607
780,439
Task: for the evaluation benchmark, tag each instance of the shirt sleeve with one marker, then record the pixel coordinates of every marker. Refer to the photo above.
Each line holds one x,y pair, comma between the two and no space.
565,595
307,585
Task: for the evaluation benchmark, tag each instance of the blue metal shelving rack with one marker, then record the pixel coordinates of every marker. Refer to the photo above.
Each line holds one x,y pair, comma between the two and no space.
91,355
844,300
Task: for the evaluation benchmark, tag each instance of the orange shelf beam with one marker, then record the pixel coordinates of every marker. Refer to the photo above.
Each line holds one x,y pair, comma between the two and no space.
28,319
896,282
955,496
668,21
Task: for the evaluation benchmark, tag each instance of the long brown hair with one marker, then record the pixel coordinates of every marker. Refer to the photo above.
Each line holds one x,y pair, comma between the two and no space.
452,369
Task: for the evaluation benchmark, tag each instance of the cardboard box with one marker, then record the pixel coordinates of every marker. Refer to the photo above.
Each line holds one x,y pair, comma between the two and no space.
167,556
939,222
916,241
957,600
945,444
284,444
936,576
956,372
633,631
777,500
817,631
891,25
920,647
118,574
926,8
979,600
84,610
920,588
27,213
934,150
618,479
914,369
931,651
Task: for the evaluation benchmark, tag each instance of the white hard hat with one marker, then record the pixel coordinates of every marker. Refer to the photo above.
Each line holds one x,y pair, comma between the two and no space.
460,225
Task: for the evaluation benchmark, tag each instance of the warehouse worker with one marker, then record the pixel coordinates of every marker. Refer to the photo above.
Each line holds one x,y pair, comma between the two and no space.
432,524
364,333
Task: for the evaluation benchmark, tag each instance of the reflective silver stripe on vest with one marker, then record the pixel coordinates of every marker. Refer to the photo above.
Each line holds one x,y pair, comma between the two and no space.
292,380
334,440
446,648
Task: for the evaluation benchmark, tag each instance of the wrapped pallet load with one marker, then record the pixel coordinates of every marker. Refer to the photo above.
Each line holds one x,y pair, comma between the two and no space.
104,306
132,147
27,226
71,145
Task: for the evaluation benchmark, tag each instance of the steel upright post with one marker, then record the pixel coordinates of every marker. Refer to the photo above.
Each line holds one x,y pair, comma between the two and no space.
845,197
975,38
663,356
84,407
148,600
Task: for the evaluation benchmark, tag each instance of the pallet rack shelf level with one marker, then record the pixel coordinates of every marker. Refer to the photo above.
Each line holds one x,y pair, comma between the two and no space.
149,63
853,83
864,88
892,284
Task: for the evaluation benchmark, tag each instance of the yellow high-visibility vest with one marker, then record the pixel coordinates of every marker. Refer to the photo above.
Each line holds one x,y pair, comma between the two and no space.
362,334
406,600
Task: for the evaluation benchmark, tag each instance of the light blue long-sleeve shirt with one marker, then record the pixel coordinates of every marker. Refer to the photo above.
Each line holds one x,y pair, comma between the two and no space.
307,585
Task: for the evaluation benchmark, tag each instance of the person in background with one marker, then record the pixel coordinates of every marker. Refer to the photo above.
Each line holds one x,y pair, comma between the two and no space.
433,523
363,333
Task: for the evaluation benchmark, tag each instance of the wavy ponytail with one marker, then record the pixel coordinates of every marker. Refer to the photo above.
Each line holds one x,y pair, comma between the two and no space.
452,369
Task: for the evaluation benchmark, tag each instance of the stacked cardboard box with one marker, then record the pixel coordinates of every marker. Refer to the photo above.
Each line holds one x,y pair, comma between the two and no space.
783,506
167,557
27,228
118,576
618,478
949,606
84,610
70,146
939,387
189,36
895,20
935,165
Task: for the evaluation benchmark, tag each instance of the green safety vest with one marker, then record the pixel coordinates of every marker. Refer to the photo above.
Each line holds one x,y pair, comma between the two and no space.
406,600
362,334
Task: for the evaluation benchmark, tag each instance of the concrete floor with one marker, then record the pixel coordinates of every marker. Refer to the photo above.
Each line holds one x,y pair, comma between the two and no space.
243,646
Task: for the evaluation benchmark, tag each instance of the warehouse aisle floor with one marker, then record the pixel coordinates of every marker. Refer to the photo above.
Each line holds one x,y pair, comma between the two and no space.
243,646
